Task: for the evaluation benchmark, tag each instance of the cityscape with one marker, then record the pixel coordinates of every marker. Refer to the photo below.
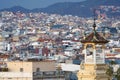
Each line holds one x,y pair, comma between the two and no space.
66,40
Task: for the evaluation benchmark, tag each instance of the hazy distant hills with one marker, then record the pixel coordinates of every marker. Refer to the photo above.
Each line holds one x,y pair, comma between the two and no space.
83,9
16,8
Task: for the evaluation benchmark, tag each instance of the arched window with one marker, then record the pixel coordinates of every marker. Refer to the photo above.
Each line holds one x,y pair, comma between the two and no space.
89,49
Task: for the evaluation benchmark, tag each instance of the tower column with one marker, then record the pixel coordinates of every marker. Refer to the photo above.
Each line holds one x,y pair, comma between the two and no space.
85,53
103,51
94,53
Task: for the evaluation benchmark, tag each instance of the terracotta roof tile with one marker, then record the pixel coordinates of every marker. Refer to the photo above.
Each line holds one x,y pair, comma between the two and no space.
94,37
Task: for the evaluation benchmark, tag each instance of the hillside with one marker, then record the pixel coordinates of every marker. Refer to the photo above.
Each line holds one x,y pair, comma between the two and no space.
83,9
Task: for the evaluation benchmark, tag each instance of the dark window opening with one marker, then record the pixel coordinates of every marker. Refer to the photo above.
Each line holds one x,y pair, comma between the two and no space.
21,69
38,70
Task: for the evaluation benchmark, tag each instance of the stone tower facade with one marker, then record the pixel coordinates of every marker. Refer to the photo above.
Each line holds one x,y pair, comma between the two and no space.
93,66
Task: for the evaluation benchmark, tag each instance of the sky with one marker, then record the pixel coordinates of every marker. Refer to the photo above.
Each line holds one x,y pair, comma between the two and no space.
31,4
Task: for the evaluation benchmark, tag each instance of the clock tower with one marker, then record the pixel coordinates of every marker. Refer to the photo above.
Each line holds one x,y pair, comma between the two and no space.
93,66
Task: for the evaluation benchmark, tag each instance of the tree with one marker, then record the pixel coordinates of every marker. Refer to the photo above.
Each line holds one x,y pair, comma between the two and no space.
117,76
112,63
109,72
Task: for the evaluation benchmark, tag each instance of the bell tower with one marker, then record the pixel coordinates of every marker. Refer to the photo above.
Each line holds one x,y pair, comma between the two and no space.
93,67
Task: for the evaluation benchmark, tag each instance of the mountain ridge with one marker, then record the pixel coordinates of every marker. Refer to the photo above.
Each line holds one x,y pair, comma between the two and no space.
82,9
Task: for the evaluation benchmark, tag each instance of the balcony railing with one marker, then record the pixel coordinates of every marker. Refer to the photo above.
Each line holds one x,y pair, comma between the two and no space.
44,75
90,60
98,60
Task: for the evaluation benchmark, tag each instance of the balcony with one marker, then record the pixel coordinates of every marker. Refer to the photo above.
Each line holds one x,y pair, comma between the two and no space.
89,60
99,60
50,75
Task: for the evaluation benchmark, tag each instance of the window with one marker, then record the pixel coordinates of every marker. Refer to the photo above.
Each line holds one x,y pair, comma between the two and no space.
9,78
38,69
21,69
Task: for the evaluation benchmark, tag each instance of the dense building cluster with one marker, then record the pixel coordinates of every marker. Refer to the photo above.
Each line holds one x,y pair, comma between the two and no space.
41,39
51,36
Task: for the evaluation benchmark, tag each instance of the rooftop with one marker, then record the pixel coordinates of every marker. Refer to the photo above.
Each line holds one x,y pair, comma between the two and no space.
94,37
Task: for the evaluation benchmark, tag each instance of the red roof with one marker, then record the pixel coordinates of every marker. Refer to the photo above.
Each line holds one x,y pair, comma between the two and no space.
44,39
94,37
